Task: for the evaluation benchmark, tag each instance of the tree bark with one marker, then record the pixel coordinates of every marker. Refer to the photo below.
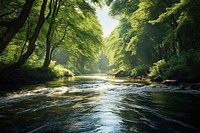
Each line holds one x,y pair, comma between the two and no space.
14,26
32,40
49,35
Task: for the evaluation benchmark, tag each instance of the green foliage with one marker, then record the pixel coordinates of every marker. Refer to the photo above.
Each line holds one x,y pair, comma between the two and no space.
75,29
9,57
140,70
149,30
83,38
122,7
184,67
157,69
103,63
172,10
59,70
153,30
175,68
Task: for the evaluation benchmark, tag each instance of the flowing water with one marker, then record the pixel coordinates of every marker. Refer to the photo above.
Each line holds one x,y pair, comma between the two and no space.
98,104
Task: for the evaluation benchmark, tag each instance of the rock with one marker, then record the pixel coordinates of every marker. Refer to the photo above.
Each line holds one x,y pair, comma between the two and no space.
170,82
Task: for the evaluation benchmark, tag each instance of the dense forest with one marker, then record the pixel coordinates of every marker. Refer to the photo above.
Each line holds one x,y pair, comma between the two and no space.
156,39
44,39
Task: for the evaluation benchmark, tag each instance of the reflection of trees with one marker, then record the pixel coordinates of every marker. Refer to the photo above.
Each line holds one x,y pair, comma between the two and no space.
130,112
180,107
158,112
143,112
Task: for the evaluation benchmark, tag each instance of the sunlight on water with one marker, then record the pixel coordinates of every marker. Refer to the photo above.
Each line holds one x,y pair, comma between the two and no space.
38,91
105,108
103,77
100,104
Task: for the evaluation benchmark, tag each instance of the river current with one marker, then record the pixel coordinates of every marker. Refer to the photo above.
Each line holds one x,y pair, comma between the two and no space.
99,104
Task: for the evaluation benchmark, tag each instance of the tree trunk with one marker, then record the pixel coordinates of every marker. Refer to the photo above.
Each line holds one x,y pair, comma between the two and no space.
14,26
32,40
47,56
49,36
48,45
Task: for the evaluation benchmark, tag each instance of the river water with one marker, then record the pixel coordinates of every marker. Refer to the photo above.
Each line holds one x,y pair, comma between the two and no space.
99,104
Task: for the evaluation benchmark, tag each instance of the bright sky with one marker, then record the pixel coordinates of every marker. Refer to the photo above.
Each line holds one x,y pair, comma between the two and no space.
108,24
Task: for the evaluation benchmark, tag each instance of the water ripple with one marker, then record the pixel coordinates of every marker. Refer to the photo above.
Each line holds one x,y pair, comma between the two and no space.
89,106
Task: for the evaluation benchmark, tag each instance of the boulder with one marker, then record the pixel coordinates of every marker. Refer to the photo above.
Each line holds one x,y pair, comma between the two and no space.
170,82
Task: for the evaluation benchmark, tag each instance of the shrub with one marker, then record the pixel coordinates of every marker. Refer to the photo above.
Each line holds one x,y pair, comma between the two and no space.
59,70
157,68
175,68
183,67
140,70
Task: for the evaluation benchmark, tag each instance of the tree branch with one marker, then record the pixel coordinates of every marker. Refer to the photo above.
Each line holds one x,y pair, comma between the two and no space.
5,24
63,37
50,10
14,26
5,14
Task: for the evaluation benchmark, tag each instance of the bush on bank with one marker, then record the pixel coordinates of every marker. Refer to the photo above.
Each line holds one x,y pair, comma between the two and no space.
27,74
183,67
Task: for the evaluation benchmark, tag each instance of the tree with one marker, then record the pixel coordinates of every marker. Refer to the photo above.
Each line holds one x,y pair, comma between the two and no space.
32,40
73,25
13,26
153,31
182,18
56,6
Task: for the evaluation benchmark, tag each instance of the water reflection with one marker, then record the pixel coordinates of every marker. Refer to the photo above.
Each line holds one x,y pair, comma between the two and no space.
104,112
100,104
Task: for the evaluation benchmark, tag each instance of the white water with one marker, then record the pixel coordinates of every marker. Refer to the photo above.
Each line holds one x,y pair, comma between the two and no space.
100,104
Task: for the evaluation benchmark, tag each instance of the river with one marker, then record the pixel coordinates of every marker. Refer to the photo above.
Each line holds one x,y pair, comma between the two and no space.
99,104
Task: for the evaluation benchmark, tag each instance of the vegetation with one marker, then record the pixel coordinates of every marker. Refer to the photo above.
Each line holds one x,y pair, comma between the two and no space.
161,34
50,37
33,34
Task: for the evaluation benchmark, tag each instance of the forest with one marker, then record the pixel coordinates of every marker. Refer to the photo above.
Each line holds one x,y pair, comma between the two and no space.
46,39
156,39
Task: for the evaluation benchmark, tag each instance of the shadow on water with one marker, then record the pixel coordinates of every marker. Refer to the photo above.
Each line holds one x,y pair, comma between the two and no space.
100,104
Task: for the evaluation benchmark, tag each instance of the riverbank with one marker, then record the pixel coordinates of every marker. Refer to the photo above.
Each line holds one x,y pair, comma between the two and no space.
32,75
158,79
